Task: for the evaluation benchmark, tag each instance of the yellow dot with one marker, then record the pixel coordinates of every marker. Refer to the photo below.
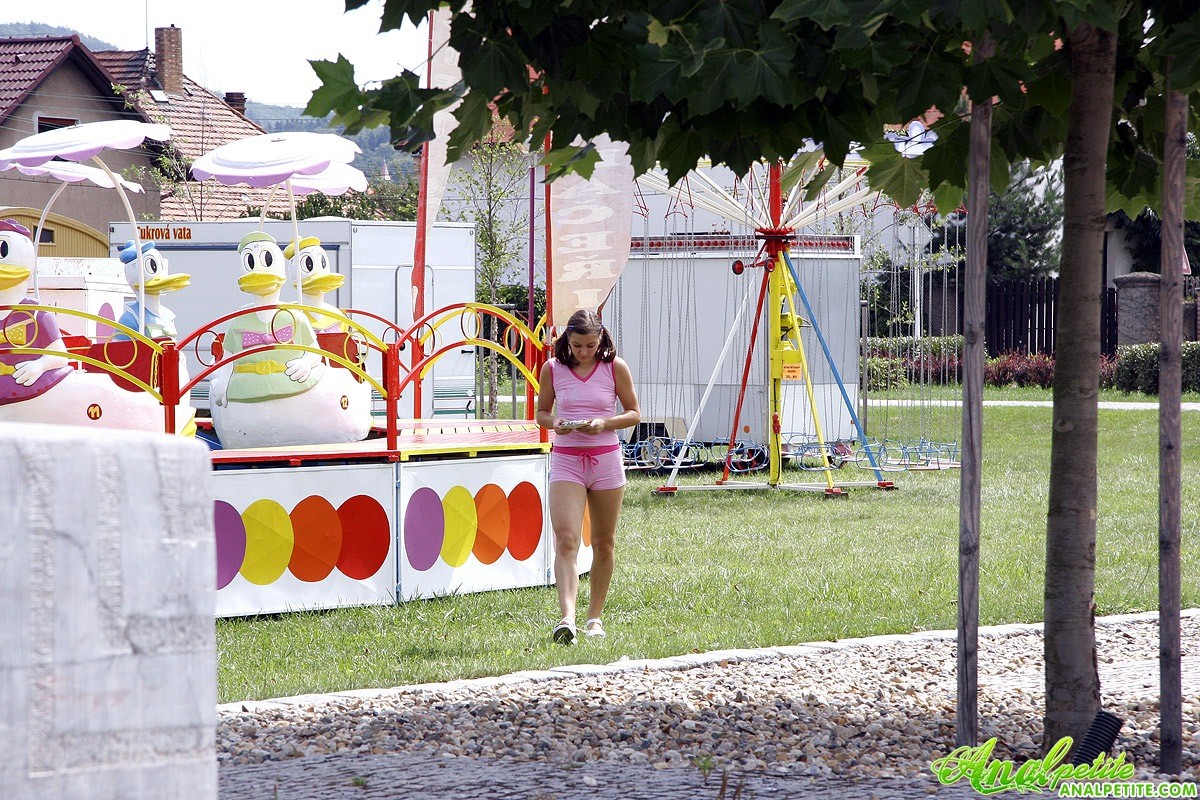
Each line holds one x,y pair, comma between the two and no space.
269,542
458,506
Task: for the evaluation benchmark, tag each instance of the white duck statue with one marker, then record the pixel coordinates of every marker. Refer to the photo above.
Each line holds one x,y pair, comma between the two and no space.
43,387
316,281
24,376
151,275
333,327
280,396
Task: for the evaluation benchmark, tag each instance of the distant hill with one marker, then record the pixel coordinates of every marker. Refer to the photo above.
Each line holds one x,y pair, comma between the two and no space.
376,149
25,29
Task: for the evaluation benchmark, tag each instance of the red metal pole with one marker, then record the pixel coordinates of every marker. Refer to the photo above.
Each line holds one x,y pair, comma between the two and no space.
391,384
417,280
775,196
168,384
549,255
737,413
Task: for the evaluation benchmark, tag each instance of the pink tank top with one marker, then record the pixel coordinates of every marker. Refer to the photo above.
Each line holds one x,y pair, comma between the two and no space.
584,398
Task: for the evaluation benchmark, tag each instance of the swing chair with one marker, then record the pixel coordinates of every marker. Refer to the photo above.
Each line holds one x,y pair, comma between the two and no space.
912,344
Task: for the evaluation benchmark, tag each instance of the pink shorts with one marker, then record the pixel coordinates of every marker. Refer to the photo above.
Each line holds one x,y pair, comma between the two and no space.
597,468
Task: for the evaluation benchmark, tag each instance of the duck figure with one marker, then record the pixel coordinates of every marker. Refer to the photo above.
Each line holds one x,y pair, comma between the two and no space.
151,275
45,388
316,281
25,376
334,331
275,397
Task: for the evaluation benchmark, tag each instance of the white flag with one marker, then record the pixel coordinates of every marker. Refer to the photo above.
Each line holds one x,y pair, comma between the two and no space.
590,223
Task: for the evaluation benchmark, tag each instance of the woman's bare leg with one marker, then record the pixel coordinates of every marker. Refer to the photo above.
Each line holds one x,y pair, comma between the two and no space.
567,503
604,507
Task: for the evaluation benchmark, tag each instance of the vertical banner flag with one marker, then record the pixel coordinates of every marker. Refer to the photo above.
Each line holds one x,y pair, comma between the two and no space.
443,72
590,223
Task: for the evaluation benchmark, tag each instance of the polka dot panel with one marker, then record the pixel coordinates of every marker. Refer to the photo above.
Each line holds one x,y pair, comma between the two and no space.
265,540
484,525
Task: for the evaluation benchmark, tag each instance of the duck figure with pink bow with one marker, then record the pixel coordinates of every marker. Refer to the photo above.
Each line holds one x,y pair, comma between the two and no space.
275,395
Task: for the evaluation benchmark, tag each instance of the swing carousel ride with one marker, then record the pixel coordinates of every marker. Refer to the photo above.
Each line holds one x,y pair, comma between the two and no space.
669,306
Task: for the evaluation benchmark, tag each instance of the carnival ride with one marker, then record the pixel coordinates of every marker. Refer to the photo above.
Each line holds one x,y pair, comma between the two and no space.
410,508
813,409
386,510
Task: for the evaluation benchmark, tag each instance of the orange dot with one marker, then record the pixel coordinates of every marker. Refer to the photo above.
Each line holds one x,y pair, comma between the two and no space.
491,508
318,531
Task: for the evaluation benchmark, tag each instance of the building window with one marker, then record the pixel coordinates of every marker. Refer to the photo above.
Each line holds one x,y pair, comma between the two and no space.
54,123
47,236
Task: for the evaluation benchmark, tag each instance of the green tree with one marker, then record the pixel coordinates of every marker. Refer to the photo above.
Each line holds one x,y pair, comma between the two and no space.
1024,225
740,81
382,200
489,193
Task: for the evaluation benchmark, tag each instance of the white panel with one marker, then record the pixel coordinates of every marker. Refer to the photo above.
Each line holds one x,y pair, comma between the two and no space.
439,541
372,487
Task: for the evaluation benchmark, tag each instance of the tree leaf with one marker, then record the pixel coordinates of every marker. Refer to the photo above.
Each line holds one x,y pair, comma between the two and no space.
800,169
579,159
652,79
948,198
766,72
396,11
901,179
1183,45
338,91
658,34
946,161
824,13
819,182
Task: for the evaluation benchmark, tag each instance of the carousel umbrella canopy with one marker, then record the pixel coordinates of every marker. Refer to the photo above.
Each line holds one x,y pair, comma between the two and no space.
71,172
272,158
337,178
81,142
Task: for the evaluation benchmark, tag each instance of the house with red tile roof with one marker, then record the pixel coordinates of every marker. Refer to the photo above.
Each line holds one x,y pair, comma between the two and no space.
52,82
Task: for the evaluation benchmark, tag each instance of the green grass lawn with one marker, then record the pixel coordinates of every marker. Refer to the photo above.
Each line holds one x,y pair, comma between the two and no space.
714,570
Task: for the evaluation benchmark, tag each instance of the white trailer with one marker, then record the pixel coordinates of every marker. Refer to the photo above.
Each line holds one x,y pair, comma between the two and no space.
672,313
375,256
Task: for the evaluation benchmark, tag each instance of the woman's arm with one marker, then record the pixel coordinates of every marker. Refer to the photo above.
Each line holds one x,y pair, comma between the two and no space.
545,398
631,414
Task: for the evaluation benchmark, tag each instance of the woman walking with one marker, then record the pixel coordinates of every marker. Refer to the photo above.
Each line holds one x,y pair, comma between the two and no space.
579,390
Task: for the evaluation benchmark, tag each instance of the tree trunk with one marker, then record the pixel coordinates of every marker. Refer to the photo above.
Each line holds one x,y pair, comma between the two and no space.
974,326
1170,435
1072,682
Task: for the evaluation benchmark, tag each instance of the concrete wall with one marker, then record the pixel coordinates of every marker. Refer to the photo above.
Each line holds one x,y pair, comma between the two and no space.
107,654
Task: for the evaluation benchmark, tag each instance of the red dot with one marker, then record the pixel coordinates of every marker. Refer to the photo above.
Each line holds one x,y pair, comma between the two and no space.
525,525
366,537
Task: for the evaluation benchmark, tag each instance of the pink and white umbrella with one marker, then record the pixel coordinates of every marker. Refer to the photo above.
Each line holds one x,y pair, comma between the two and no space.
335,179
274,158
86,142
68,172
82,142
303,161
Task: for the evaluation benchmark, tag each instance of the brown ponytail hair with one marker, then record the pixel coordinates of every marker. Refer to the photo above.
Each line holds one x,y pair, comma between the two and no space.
584,322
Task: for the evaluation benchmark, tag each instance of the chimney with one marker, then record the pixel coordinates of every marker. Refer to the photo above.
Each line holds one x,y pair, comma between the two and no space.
168,59
236,101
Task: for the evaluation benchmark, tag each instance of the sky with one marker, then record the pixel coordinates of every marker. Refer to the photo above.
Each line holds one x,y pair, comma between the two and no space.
259,47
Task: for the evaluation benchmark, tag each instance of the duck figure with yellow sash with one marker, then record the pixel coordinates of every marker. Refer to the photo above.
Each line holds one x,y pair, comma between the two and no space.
278,396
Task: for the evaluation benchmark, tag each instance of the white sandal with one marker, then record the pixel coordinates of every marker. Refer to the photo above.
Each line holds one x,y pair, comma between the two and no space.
594,628
564,632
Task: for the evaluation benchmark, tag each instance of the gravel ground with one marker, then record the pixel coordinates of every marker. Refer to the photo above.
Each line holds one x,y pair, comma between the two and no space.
878,709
